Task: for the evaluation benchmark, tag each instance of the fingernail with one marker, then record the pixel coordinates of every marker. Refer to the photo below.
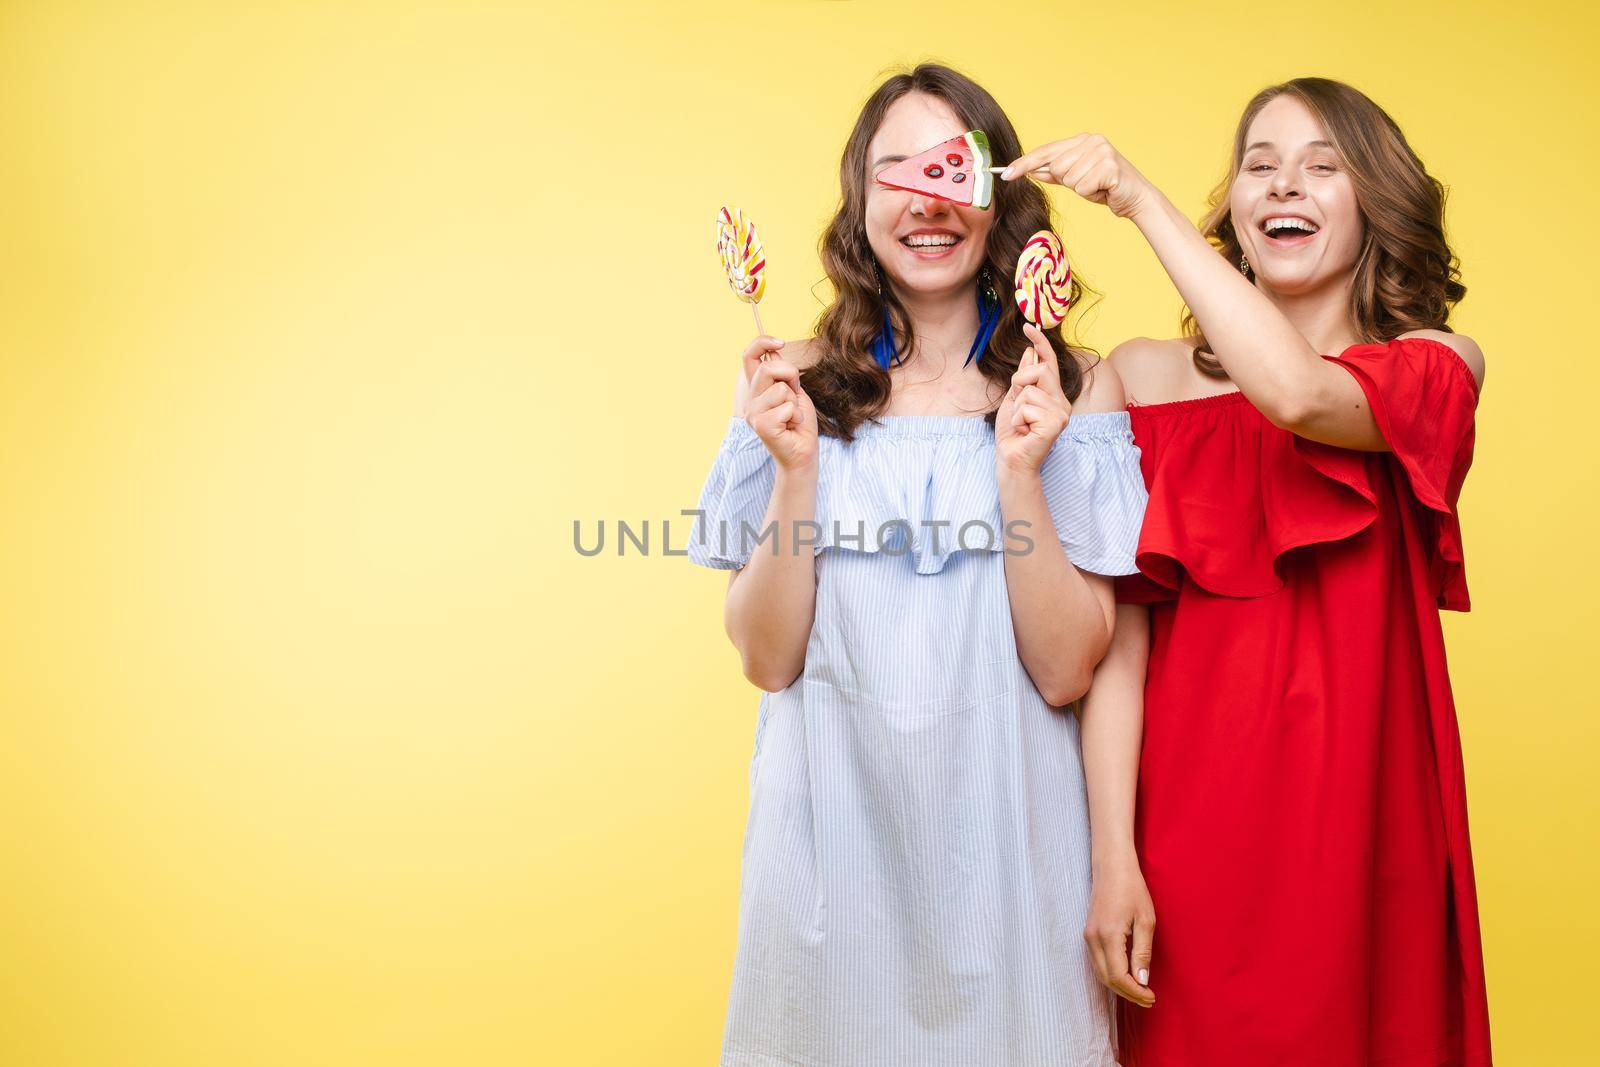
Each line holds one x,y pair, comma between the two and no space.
1006,174
1144,976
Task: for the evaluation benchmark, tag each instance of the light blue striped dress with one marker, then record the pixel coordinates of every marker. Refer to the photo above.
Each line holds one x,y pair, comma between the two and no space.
915,873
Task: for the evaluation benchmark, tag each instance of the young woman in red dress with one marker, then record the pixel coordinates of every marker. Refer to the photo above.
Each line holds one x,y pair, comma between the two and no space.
1301,823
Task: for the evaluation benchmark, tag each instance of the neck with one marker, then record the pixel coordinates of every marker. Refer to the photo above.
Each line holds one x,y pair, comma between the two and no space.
943,324
1322,315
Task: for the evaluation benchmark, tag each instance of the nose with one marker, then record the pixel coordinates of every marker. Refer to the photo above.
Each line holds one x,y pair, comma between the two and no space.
1285,184
928,206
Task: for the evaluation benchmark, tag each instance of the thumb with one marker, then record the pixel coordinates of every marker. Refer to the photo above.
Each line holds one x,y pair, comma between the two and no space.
1143,935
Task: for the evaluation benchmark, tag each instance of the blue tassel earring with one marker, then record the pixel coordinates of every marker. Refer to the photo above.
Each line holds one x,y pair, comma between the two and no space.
883,344
988,318
988,314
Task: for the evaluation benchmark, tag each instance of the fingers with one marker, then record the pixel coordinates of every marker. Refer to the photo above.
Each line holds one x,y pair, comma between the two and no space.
1092,169
1024,416
1044,354
1089,167
1032,373
1036,160
1125,987
1040,341
1097,957
1144,928
757,351
775,369
1067,168
1034,395
1111,944
772,420
1094,179
772,396
1038,381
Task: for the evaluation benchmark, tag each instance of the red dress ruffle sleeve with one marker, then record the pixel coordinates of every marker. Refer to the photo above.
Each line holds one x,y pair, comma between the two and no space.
1423,397
1301,819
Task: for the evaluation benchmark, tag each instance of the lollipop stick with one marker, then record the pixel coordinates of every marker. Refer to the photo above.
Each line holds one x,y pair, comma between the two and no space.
1035,170
756,311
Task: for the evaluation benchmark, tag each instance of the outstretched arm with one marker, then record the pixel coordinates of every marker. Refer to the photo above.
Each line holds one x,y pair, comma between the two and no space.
1286,379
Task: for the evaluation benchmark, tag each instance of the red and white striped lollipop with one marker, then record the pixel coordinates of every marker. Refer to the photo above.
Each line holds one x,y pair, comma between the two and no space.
1044,281
744,260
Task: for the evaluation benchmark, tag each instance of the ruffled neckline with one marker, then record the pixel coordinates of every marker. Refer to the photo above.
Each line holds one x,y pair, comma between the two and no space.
1081,424
1234,397
923,479
1196,403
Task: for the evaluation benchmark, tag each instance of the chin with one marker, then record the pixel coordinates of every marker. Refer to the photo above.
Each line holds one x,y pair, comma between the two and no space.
1291,281
933,277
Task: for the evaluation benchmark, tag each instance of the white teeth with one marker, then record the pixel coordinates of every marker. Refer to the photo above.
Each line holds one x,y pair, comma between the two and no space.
1277,225
929,240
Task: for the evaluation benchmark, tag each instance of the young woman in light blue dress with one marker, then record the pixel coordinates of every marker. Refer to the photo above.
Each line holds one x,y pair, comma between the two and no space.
922,521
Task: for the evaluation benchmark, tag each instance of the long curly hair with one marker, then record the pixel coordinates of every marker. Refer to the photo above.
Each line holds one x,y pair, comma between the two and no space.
845,382
1406,277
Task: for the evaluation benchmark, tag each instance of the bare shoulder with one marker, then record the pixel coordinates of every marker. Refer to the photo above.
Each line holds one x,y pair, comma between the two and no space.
1461,344
1102,385
802,353
1152,370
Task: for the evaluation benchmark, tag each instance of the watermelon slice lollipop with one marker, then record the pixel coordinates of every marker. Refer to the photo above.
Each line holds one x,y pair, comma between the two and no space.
959,170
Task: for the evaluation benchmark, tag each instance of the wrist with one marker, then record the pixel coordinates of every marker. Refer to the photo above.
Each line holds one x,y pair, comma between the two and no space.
1153,210
1016,473
800,473
1115,854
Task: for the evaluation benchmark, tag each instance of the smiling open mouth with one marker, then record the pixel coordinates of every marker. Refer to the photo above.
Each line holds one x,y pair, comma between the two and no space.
1289,228
931,243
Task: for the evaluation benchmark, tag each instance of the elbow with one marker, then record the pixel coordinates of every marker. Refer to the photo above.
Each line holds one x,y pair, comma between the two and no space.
1288,413
1066,686
1067,678
1294,403
770,676
764,666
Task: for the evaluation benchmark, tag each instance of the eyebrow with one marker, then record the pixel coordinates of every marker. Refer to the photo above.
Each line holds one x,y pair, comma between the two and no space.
888,159
1269,144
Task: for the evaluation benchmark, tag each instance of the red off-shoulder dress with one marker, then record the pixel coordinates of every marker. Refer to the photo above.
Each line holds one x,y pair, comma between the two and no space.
1301,819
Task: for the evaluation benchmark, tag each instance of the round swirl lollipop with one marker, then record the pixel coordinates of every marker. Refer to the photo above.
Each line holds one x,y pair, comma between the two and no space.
1044,281
744,260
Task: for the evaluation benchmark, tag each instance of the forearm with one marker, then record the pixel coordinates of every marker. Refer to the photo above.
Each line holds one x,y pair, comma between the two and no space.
772,600
1110,729
1262,351
1061,626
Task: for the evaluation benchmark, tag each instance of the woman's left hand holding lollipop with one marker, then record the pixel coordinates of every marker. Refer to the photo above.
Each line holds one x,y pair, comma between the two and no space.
1090,166
779,411
1034,411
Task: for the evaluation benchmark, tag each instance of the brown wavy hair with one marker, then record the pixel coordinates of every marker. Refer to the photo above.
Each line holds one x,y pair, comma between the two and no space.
1406,277
845,383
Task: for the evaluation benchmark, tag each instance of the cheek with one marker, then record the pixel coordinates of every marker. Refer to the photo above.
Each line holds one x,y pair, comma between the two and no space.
881,215
979,223
1352,230
1241,207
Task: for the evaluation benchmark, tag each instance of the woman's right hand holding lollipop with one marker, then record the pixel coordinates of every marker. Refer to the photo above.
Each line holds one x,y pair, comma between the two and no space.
778,409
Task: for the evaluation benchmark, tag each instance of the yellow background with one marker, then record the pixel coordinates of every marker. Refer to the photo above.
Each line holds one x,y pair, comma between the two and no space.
319,326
